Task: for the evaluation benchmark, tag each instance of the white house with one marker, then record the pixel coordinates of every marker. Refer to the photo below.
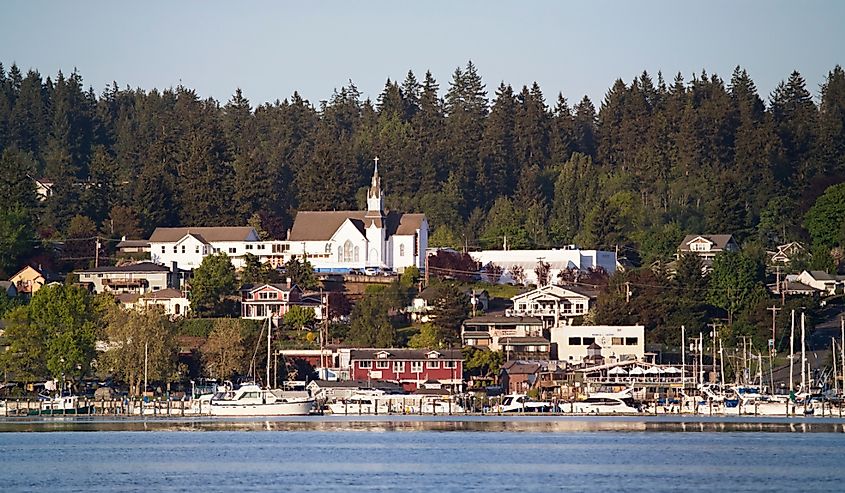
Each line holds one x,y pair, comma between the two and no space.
820,280
558,259
554,305
620,342
708,246
188,246
174,302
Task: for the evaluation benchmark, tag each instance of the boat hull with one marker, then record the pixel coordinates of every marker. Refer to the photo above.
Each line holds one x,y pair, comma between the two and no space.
298,408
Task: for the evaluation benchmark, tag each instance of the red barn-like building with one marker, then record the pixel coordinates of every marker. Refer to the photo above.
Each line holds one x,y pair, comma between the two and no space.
409,367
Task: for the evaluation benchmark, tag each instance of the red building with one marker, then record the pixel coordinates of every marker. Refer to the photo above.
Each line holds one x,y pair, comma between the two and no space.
409,367
259,302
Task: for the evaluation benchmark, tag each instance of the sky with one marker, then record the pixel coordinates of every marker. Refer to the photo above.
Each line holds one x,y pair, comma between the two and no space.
271,49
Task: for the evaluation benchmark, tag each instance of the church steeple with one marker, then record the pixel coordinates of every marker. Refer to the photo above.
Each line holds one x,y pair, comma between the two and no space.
375,202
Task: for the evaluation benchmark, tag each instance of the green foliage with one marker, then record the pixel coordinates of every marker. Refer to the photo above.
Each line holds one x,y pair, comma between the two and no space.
213,281
254,272
53,335
450,307
410,277
735,282
427,337
481,362
298,317
17,238
826,219
223,353
370,326
301,273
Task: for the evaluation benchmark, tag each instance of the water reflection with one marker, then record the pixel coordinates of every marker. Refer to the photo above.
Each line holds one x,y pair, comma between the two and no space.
438,424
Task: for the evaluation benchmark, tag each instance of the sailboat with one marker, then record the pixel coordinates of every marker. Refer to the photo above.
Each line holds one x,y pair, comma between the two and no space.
252,400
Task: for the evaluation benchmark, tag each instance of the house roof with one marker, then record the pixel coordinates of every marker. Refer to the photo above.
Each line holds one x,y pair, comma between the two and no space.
321,225
556,291
719,241
522,367
208,234
139,267
494,320
278,286
127,298
404,354
798,286
164,294
820,275
133,243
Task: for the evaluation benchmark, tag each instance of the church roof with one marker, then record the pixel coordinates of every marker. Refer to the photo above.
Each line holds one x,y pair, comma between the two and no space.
321,225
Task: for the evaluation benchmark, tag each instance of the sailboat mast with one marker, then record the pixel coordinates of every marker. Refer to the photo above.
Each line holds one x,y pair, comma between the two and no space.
683,359
792,352
269,328
721,364
833,351
803,357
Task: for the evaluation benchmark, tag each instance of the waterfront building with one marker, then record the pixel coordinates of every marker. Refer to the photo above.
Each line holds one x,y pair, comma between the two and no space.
571,343
137,278
408,367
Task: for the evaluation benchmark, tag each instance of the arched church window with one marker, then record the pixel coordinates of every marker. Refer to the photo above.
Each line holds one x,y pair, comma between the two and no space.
356,254
347,251
401,250
328,248
340,254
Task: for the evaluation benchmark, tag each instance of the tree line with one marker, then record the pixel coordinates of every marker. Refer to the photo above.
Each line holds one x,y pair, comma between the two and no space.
654,159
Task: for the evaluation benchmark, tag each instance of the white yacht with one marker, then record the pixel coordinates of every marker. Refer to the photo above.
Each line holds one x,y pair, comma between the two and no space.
366,403
252,400
605,403
521,403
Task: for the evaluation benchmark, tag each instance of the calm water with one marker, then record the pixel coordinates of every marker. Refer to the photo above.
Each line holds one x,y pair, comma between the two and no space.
421,455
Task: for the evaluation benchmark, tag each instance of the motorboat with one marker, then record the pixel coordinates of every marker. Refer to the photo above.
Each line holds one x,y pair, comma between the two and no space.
252,400
60,405
606,403
521,403
366,403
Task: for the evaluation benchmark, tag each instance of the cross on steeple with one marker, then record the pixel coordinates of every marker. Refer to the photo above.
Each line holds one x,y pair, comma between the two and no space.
376,160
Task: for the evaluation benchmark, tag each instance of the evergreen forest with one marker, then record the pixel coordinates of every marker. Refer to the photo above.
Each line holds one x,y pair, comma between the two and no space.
652,161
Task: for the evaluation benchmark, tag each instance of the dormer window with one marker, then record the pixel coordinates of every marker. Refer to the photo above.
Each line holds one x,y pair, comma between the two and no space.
432,355
382,354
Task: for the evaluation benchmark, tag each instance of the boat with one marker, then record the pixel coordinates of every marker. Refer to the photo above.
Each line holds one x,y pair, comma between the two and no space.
60,405
252,400
606,403
521,403
371,402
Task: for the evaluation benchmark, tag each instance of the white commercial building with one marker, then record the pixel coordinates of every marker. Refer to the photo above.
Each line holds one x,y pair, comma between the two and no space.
616,341
558,260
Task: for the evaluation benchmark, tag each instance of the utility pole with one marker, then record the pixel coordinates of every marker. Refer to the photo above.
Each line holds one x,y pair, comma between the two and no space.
842,350
774,310
97,252
426,268
627,292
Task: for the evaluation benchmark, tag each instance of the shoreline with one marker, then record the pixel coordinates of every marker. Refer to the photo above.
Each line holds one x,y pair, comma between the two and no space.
527,424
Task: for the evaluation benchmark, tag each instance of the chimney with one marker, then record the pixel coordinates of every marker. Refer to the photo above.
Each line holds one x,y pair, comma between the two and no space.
290,282
123,238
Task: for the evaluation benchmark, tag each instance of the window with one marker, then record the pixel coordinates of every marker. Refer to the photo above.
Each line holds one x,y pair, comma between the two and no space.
586,341
617,341
382,365
432,365
340,254
631,341
449,365
174,248
176,309
401,250
356,254
579,308
162,249
183,248
328,248
542,349
233,250
198,249
574,341
399,366
416,366
347,251
249,247
365,364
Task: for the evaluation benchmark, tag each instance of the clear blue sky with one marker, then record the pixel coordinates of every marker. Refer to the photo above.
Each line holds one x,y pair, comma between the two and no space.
270,49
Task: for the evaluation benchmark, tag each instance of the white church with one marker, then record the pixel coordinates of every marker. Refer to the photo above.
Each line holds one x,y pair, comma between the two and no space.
332,241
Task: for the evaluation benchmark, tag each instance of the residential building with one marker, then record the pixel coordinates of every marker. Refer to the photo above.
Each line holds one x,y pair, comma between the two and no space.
525,348
43,188
488,330
708,246
188,246
554,305
824,282
262,301
570,343
409,367
518,377
559,259
786,253
174,302
30,279
139,278
133,246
